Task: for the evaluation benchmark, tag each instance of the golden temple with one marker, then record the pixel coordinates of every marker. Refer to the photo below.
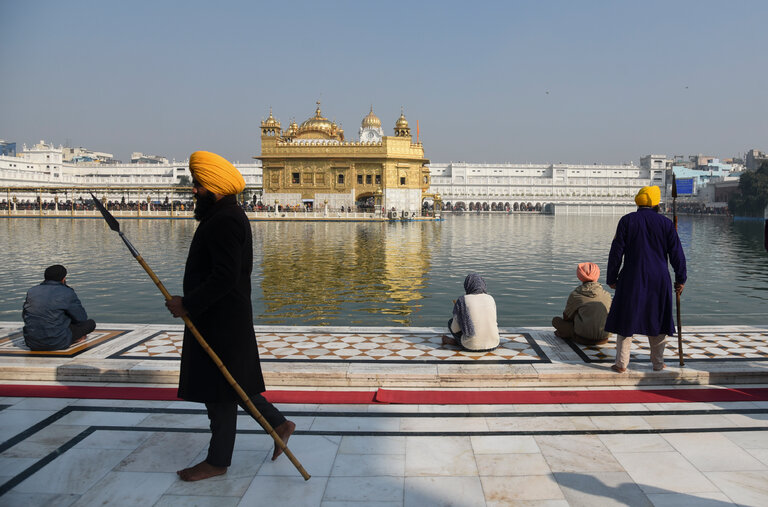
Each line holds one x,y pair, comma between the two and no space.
312,164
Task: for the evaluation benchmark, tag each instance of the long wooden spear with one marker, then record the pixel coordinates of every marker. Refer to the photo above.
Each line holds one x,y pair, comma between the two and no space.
677,294
115,226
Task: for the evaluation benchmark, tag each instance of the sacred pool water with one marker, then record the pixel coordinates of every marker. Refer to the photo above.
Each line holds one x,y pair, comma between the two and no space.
380,274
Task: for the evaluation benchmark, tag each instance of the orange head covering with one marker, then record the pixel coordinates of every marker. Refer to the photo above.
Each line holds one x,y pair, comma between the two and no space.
215,173
648,196
588,272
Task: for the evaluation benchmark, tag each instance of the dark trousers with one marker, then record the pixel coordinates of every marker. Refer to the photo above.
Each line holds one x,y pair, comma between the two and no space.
223,417
81,329
565,329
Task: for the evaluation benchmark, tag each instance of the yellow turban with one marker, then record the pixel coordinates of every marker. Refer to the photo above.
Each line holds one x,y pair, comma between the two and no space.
215,173
648,196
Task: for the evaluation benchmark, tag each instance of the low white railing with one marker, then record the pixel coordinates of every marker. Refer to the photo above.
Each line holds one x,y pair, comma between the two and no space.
312,215
262,215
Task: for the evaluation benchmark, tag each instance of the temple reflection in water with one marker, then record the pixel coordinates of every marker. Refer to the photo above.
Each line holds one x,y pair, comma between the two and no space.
314,272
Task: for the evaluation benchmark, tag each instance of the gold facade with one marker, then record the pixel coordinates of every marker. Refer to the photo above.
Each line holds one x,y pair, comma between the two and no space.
314,162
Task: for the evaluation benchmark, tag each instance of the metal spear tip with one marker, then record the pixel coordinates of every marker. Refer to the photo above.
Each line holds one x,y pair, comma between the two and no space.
106,214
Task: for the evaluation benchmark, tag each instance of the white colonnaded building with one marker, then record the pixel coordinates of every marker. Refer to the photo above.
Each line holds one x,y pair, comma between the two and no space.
41,168
549,188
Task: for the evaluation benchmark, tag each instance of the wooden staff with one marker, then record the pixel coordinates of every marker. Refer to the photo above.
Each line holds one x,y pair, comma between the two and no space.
115,226
677,294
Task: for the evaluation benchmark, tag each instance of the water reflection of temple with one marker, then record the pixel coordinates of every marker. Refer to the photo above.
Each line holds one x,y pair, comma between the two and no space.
316,271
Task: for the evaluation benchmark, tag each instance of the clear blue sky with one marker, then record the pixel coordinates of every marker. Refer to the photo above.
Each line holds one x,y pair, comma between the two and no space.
623,78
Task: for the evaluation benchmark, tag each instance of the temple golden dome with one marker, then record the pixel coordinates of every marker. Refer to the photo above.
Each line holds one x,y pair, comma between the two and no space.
317,123
293,128
371,120
402,123
271,121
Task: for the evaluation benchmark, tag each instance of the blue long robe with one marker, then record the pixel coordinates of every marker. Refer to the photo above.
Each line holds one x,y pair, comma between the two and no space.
645,241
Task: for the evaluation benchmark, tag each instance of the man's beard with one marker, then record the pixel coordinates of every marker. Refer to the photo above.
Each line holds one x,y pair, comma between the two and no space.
203,204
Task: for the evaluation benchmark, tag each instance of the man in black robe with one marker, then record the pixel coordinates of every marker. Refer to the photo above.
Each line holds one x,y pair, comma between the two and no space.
217,298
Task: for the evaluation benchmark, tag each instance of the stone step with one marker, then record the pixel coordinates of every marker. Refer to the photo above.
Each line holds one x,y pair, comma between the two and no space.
367,357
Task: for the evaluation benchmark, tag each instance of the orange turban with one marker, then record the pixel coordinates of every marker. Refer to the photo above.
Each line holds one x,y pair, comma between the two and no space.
648,196
588,272
215,173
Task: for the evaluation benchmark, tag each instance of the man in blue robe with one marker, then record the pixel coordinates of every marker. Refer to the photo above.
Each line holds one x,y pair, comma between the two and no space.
645,241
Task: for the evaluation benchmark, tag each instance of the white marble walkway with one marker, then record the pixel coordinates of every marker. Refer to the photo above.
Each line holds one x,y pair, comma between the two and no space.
88,452
395,357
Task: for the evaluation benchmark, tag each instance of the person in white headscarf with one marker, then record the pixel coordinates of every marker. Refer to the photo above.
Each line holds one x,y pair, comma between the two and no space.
473,325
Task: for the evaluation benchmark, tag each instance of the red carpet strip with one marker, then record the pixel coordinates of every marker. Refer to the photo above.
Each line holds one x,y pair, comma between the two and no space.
679,395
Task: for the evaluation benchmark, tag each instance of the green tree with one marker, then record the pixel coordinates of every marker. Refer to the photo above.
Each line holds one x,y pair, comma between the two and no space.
184,181
753,193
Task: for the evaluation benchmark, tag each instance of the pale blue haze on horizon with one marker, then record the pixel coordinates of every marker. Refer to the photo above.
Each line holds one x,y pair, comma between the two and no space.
597,81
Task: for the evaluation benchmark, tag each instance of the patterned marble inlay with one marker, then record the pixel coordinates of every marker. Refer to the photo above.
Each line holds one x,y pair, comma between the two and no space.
12,343
733,346
340,346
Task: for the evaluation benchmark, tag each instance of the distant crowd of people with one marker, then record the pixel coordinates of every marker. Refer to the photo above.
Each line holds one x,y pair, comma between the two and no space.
484,206
694,208
87,204
687,208
165,205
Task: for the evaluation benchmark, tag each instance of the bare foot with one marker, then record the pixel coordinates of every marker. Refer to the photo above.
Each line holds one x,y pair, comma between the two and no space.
557,333
201,471
618,369
658,368
447,340
284,431
80,340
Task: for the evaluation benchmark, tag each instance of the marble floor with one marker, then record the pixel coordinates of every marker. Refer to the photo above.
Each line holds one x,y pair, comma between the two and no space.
93,451
410,357
88,452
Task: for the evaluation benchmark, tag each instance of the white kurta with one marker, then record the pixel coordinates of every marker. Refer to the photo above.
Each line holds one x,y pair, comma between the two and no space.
482,311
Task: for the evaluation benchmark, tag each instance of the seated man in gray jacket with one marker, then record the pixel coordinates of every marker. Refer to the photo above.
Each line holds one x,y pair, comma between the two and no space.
53,316
585,311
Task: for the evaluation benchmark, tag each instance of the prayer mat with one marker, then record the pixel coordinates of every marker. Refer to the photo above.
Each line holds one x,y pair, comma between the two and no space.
12,344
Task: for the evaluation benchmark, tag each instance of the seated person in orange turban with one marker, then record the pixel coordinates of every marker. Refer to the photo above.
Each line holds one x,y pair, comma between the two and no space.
587,308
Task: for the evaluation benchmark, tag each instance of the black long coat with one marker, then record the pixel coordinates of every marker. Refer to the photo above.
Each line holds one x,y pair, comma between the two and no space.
217,296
